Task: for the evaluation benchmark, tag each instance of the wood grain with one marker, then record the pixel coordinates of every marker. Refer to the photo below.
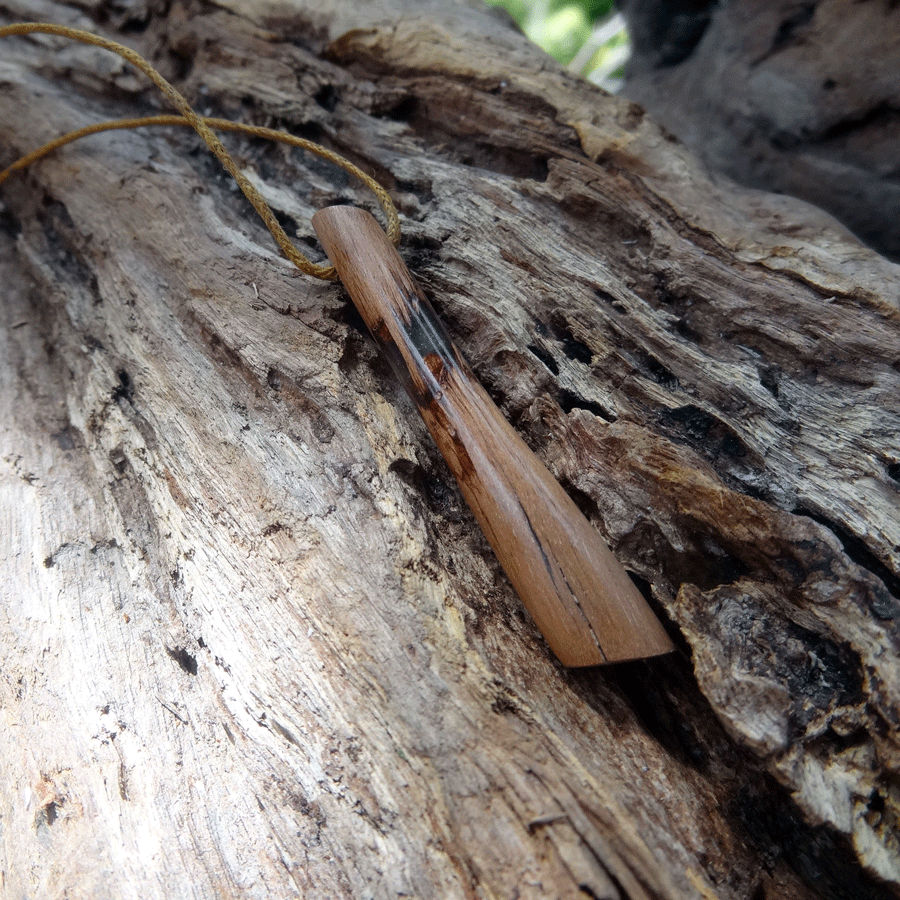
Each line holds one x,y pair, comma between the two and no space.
218,682
578,593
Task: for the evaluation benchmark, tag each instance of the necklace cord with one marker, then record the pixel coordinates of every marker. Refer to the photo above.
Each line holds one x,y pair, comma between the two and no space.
206,128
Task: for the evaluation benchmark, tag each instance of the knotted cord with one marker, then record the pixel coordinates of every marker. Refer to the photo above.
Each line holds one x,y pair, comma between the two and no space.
206,128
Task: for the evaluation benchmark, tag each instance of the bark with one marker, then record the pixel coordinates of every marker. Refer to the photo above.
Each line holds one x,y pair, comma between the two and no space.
253,643
791,96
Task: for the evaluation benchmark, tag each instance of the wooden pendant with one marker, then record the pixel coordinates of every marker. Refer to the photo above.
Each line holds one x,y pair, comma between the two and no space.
580,596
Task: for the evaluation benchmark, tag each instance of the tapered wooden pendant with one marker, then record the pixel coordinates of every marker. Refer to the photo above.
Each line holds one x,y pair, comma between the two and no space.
578,593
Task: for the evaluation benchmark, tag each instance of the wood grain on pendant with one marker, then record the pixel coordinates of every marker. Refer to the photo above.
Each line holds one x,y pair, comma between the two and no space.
580,596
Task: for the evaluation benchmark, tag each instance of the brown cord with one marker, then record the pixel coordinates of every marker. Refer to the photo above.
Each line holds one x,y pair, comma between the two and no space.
204,127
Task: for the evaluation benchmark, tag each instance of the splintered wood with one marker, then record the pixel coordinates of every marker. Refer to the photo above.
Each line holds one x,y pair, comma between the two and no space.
253,641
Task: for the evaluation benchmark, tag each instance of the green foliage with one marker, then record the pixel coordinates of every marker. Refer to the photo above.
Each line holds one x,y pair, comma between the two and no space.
573,31
592,10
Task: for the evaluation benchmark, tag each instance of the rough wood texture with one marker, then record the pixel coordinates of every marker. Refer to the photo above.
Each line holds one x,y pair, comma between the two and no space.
790,95
577,592
253,643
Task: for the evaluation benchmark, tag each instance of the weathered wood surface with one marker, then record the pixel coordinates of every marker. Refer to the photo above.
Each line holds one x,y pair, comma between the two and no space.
253,643
785,95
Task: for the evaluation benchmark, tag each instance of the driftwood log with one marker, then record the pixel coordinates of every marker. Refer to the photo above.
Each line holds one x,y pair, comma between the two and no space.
253,644
785,95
